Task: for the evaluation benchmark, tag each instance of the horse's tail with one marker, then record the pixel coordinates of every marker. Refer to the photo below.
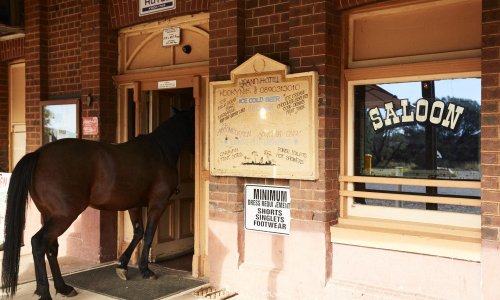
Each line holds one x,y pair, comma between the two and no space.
17,199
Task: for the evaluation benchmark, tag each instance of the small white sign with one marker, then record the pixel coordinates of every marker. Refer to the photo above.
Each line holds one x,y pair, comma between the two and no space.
171,36
169,84
147,7
267,208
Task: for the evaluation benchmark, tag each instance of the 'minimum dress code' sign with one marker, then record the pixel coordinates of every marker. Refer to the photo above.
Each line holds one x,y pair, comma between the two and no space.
267,208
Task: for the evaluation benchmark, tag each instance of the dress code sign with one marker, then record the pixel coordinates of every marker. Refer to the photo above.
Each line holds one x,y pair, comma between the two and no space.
267,208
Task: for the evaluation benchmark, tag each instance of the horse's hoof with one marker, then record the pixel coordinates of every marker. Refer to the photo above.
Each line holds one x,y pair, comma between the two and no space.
67,291
148,274
122,273
44,296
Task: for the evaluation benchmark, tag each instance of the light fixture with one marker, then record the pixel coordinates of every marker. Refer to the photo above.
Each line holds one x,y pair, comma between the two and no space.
186,49
88,99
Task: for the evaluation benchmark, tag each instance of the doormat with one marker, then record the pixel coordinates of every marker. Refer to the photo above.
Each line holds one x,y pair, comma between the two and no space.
104,281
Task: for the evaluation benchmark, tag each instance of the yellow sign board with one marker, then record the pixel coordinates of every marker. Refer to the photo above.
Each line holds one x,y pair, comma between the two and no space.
264,122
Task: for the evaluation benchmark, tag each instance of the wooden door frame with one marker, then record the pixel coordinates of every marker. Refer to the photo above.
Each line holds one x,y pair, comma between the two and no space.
11,124
185,78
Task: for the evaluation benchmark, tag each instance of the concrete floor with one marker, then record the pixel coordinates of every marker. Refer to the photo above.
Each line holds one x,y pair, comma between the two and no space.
69,265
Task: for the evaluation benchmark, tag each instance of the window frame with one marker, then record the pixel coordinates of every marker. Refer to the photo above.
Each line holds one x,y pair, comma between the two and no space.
447,234
75,105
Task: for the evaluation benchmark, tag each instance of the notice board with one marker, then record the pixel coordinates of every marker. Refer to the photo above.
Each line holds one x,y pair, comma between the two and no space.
264,122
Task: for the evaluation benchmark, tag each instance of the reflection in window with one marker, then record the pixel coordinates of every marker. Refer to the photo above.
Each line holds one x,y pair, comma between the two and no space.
422,130
59,122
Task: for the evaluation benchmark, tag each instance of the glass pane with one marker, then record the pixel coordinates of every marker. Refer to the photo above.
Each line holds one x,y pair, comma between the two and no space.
421,129
425,129
59,122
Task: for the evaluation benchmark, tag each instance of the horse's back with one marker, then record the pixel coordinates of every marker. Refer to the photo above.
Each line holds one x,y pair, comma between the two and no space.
81,173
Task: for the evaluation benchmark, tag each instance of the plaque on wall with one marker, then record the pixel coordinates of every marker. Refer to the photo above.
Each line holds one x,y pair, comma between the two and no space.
264,122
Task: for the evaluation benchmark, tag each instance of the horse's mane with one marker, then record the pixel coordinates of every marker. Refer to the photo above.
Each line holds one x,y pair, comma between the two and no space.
172,135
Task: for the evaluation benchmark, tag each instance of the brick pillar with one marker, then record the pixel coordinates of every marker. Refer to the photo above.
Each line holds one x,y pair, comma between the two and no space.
490,150
314,28
36,45
227,37
98,64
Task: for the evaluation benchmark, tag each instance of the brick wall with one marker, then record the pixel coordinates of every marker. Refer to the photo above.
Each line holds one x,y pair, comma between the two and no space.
227,32
343,4
63,48
71,50
125,13
490,122
11,49
298,34
98,65
314,29
266,29
36,48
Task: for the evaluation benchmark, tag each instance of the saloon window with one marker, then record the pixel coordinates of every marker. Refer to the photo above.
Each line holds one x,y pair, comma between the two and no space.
410,128
418,130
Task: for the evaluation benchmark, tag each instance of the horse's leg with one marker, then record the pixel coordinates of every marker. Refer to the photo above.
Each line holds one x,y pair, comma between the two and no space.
148,240
40,244
60,285
154,214
136,218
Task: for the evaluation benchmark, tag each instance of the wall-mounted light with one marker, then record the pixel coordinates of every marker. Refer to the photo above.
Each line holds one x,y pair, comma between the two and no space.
88,99
186,49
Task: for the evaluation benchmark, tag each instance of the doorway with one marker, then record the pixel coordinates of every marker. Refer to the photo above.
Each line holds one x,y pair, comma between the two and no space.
173,245
180,240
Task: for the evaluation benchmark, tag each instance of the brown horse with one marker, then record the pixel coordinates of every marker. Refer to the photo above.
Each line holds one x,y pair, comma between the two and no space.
66,176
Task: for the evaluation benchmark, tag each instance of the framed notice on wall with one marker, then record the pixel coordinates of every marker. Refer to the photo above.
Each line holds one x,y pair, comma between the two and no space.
267,208
264,122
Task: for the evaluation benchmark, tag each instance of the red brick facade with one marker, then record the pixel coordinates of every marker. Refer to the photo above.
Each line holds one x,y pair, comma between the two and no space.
11,49
125,13
36,57
298,35
71,50
490,123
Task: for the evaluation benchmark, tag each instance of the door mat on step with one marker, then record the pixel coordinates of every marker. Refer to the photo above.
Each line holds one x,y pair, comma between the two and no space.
104,281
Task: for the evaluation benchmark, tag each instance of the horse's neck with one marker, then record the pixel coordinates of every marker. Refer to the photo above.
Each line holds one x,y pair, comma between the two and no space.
170,143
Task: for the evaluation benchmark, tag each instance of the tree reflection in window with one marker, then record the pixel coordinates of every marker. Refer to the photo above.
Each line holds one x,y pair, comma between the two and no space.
423,150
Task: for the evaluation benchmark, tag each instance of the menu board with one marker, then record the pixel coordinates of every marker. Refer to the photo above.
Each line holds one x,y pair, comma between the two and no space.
264,122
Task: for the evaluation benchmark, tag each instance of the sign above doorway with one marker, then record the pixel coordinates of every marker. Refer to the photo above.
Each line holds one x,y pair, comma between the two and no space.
147,7
171,36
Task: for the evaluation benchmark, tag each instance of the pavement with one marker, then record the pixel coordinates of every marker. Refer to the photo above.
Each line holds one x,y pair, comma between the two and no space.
70,265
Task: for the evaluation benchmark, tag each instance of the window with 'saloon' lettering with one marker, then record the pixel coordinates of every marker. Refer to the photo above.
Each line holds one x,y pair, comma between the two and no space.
410,167
418,130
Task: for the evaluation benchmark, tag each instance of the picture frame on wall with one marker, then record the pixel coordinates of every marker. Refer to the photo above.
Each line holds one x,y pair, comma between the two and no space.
60,119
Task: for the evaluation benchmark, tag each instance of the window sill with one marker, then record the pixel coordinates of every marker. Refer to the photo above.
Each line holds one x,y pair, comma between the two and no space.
446,241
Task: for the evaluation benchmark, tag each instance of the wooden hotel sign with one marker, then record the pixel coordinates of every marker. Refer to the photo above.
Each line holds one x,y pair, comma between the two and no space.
264,122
